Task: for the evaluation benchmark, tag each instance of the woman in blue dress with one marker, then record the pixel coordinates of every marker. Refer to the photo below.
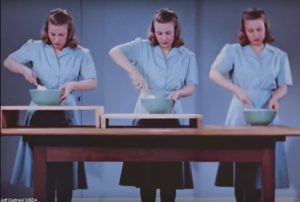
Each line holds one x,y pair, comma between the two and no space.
161,66
257,74
56,62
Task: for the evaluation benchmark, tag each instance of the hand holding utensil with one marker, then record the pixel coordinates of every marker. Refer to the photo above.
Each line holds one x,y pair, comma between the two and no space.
40,86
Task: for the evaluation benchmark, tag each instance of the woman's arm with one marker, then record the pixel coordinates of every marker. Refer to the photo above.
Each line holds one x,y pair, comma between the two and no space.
68,87
224,82
184,92
122,61
279,93
17,68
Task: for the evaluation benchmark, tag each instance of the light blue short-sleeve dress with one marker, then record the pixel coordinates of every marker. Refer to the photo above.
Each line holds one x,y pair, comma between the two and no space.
162,75
258,76
53,71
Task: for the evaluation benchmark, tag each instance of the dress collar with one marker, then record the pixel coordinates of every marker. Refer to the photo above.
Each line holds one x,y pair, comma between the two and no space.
265,50
173,52
64,51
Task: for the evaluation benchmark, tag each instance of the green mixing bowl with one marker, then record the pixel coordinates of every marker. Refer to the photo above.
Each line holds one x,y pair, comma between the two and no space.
157,105
45,97
259,116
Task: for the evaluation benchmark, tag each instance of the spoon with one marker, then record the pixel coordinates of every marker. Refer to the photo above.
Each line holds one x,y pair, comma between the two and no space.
40,86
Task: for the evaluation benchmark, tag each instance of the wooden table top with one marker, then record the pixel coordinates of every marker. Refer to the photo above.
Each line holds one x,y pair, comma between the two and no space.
204,131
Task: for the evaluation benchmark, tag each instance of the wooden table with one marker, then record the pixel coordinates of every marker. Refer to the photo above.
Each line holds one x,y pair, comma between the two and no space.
209,143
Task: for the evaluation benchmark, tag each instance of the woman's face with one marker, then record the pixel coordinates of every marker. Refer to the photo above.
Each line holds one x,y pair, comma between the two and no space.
58,35
255,31
164,33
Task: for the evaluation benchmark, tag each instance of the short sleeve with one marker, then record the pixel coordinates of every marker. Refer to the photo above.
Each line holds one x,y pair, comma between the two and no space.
284,76
25,54
132,49
88,70
225,59
192,74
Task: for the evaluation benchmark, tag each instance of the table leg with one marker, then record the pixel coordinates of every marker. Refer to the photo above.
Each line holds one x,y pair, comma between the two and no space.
39,173
268,175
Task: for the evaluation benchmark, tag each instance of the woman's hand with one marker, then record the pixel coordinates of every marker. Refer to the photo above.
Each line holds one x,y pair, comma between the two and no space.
274,104
224,82
138,81
175,95
30,76
66,89
243,97
121,60
279,93
70,86
184,92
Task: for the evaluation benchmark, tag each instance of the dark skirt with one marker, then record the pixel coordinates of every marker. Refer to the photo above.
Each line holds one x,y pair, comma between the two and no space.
236,175
61,173
245,173
176,175
225,175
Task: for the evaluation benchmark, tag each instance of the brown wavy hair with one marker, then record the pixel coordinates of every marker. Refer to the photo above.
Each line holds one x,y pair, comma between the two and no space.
166,15
253,14
60,16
